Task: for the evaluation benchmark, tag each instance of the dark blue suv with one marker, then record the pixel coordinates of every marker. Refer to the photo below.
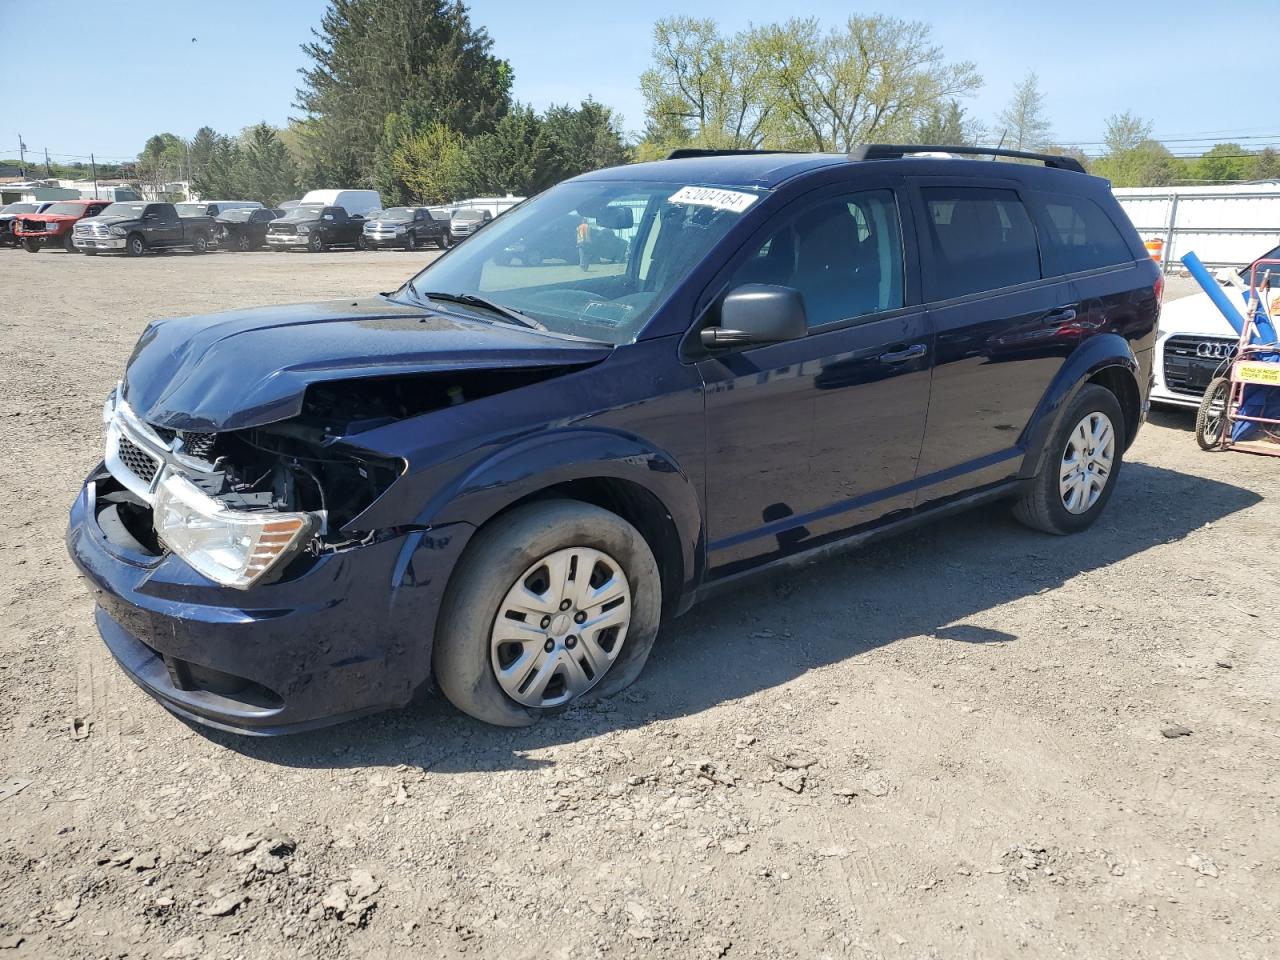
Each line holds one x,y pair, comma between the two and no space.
505,476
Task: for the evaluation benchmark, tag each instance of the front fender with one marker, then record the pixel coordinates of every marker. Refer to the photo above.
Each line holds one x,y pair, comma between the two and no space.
1095,354
547,459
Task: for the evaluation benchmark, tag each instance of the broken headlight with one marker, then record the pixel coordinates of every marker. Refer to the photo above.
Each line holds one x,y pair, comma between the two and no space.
235,548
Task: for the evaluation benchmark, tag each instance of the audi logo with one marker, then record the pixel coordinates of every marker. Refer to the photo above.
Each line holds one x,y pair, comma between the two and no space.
1210,350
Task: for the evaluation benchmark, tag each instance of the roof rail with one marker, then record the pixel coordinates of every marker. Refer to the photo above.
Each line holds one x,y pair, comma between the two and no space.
684,153
896,151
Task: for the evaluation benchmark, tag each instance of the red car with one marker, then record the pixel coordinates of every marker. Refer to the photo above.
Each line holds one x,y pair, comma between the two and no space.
56,224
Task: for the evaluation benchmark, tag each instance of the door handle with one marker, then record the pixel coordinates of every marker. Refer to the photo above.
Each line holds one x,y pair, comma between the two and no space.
1056,318
901,356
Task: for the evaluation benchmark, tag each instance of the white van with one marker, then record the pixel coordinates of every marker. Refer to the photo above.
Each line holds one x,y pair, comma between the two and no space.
357,203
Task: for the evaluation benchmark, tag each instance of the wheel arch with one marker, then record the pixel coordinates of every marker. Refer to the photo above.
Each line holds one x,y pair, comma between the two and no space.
1106,360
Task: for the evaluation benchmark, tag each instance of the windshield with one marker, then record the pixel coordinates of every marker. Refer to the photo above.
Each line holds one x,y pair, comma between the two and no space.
66,209
469,215
306,211
123,210
19,208
191,209
395,213
605,282
238,215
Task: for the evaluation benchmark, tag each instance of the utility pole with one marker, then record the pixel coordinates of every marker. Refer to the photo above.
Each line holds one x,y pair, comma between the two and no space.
94,165
48,170
22,156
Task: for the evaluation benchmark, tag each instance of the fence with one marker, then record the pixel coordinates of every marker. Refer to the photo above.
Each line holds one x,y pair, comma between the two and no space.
1226,226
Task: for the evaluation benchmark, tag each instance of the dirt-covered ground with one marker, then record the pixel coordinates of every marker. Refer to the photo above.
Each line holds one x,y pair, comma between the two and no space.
947,746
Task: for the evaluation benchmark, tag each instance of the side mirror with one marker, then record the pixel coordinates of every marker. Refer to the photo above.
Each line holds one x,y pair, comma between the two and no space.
758,313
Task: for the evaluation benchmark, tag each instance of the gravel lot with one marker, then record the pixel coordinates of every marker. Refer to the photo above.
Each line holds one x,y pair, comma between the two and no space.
946,746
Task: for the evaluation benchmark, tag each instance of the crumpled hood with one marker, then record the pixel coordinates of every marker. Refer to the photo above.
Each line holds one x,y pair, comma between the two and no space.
245,368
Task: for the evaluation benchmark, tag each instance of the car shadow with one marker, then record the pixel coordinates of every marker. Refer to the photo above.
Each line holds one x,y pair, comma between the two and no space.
926,583
1173,418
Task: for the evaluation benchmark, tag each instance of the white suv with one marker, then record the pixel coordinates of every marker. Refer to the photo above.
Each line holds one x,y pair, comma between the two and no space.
1195,344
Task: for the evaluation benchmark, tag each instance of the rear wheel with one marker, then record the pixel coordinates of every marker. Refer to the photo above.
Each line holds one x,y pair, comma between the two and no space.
200,243
552,604
244,243
68,243
1211,418
135,246
1082,462
31,244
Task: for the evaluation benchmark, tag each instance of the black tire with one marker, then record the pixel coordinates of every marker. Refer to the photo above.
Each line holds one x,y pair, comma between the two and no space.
134,245
200,243
244,243
69,243
411,242
1211,418
360,243
1041,505
90,252
315,244
499,554
31,244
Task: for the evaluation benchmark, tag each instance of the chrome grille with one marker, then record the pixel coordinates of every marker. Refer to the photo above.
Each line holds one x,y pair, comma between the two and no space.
138,461
1190,362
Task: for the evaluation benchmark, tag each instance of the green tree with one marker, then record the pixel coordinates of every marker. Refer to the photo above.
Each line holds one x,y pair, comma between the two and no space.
265,170
1148,164
1224,163
1125,131
517,157
588,138
433,165
162,160
1266,165
1024,124
421,59
201,148
220,177
948,125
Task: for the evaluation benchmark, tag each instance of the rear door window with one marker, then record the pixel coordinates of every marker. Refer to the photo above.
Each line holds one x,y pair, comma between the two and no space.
1076,234
981,239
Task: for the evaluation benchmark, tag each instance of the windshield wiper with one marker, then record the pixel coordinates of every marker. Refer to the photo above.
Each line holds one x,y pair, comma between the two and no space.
471,300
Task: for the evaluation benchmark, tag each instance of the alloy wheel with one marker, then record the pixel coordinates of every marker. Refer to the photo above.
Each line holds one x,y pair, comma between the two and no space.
1087,462
560,627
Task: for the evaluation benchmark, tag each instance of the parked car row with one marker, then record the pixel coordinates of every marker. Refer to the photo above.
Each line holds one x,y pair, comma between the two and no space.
321,220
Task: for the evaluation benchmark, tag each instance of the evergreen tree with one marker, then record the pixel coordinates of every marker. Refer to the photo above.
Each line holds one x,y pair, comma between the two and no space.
420,59
588,138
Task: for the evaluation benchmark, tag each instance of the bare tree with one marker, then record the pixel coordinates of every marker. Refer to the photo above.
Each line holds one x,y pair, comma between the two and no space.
1023,123
1125,131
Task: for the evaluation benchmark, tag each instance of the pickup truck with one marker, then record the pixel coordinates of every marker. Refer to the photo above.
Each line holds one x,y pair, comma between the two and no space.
316,227
136,226
55,226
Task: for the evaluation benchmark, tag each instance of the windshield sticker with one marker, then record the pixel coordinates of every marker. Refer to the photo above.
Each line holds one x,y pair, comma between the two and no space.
734,200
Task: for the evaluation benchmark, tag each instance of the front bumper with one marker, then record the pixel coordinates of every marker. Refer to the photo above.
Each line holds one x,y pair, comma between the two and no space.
288,240
376,241
94,243
349,635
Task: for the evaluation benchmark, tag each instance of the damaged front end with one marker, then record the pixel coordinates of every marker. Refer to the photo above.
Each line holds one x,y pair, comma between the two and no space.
241,507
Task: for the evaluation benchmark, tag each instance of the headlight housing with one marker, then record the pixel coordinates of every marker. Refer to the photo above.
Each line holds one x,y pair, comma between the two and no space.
304,229
235,548
119,232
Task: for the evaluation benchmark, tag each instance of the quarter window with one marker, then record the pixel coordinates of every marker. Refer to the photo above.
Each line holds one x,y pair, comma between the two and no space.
982,239
1076,234
844,256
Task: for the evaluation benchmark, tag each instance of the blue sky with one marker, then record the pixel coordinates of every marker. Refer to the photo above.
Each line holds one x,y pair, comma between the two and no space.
1181,64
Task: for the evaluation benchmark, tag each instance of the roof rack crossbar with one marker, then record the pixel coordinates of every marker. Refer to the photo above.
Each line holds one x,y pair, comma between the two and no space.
684,153
895,151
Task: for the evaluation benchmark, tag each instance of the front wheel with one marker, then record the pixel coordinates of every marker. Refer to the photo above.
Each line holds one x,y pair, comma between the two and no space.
31,244
135,246
1212,421
316,243
69,243
411,242
1080,468
244,243
552,604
